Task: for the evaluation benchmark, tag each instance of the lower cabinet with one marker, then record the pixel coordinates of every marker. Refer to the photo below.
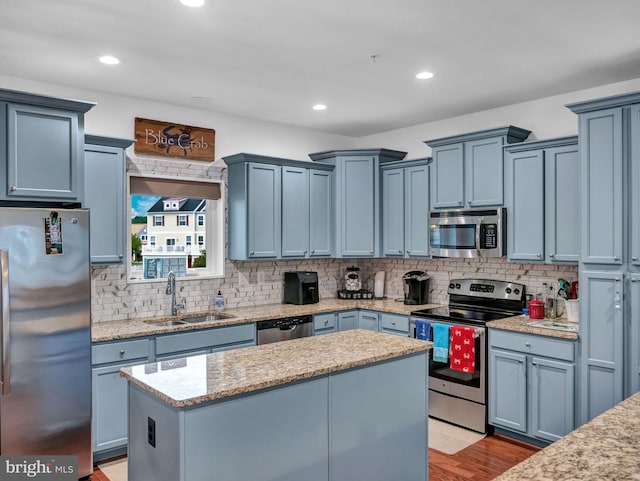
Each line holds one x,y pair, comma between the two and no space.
531,384
347,320
394,324
369,320
325,323
109,398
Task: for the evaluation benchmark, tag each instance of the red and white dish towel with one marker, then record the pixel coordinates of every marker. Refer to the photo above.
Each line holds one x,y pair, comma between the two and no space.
463,350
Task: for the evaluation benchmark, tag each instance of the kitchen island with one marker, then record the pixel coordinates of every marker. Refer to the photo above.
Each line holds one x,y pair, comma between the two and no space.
343,406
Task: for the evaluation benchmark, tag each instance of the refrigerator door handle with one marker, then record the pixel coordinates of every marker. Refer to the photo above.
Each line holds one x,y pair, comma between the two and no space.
5,375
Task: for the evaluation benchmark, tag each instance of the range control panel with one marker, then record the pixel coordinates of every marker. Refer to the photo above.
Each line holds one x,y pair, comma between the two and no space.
487,288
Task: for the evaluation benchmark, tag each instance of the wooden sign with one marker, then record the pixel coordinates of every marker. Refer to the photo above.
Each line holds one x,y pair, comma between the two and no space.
165,139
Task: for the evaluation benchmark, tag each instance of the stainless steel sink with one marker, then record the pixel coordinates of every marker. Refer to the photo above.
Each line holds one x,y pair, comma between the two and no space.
205,318
556,325
168,322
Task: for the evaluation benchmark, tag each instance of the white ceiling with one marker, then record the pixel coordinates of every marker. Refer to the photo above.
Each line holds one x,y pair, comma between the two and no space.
274,59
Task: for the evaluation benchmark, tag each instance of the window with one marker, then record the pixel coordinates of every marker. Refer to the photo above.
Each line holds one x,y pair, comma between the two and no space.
170,246
143,238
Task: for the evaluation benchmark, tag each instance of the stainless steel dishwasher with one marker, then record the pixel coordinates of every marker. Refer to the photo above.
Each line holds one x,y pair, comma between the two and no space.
283,329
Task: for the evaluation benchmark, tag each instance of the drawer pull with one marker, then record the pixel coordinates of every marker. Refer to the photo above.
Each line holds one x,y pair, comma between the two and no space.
326,323
552,255
533,363
13,188
616,258
121,353
393,323
528,344
520,361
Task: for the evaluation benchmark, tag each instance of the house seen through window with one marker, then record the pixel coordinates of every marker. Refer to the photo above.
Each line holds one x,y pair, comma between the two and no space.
175,212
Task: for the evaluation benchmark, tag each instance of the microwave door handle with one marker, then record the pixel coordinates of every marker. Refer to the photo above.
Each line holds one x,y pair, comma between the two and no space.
478,224
5,375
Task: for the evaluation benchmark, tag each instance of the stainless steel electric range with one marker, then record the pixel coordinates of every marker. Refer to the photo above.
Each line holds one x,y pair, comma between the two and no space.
461,397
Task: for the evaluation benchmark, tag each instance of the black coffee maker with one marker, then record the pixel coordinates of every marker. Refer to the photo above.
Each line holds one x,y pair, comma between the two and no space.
300,287
416,287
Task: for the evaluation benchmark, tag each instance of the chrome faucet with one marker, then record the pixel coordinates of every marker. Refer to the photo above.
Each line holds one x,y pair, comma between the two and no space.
171,289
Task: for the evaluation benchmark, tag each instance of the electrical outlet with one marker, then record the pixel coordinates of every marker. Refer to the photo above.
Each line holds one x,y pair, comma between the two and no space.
151,432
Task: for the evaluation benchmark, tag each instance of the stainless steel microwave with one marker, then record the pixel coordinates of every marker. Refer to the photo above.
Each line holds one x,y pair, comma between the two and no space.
468,233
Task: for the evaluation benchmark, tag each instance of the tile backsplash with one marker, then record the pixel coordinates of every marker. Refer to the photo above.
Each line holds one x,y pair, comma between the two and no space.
254,283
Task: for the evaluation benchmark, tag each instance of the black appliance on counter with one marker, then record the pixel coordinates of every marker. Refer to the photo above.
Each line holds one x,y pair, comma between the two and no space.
461,397
300,287
416,287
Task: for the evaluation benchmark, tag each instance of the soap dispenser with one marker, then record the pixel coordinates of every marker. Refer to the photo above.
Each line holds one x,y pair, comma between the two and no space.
218,303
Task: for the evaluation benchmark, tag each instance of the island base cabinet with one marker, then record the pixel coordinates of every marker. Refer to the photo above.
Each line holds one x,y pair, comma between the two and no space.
336,427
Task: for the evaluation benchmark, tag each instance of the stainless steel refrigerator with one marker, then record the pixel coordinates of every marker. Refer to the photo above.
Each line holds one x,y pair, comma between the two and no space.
45,333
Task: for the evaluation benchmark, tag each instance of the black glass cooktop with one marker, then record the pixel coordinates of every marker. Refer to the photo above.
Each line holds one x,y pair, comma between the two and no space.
461,314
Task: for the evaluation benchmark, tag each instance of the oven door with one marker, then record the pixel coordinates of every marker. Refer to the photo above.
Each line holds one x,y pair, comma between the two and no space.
461,384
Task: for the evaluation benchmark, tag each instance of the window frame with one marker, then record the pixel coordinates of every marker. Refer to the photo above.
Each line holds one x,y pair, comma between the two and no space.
214,232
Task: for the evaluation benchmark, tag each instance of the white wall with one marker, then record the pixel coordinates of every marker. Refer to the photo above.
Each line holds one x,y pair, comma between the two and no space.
113,116
546,118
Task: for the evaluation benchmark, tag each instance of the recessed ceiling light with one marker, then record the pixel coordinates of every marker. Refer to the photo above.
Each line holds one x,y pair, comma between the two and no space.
192,3
319,107
109,60
424,75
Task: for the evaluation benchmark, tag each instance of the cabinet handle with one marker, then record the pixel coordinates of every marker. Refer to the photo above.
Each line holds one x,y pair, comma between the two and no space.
305,252
617,279
634,258
616,258
618,301
520,361
120,256
533,363
313,251
121,353
393,323
633,279
399,251
370,252
527,344
552,255
470,202
252,252
13,188
408,252
538,255
326,323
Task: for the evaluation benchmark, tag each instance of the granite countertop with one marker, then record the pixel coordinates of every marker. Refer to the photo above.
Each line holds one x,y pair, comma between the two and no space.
199,379
607,448
108,331
517,324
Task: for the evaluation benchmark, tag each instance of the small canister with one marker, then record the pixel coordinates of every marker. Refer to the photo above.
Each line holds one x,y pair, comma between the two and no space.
536,309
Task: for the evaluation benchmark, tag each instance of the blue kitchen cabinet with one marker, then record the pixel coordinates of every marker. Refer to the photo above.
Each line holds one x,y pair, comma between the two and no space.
347,320
325,323
531,385
395,324
542,197
109,393
279,208
357,198
321,213
634,204
192,343
42,158
633,327
405,208
602,336
468,170
295,211
369,320
104,188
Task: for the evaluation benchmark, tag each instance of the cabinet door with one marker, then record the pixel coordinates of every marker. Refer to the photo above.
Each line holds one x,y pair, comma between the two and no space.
347,320
320,213
552,398
634,207
295,212
105,197
109,399
562,209
524,188
601,337
357,207
369,320
483,170
508,390
601,186
325,323
447,177
416,197
633,344
264,214
43,149
393,212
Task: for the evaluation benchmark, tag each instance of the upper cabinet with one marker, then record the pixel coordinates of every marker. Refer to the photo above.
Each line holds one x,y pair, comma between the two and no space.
279,208
44,139
357,198
405,208
542,196
104,186
467,170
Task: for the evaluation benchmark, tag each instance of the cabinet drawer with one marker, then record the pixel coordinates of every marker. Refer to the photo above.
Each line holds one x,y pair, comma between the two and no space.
324,322
393,322
119,351
200,339
536,345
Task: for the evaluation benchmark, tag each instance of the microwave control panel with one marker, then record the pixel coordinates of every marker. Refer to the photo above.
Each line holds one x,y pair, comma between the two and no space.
488,236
